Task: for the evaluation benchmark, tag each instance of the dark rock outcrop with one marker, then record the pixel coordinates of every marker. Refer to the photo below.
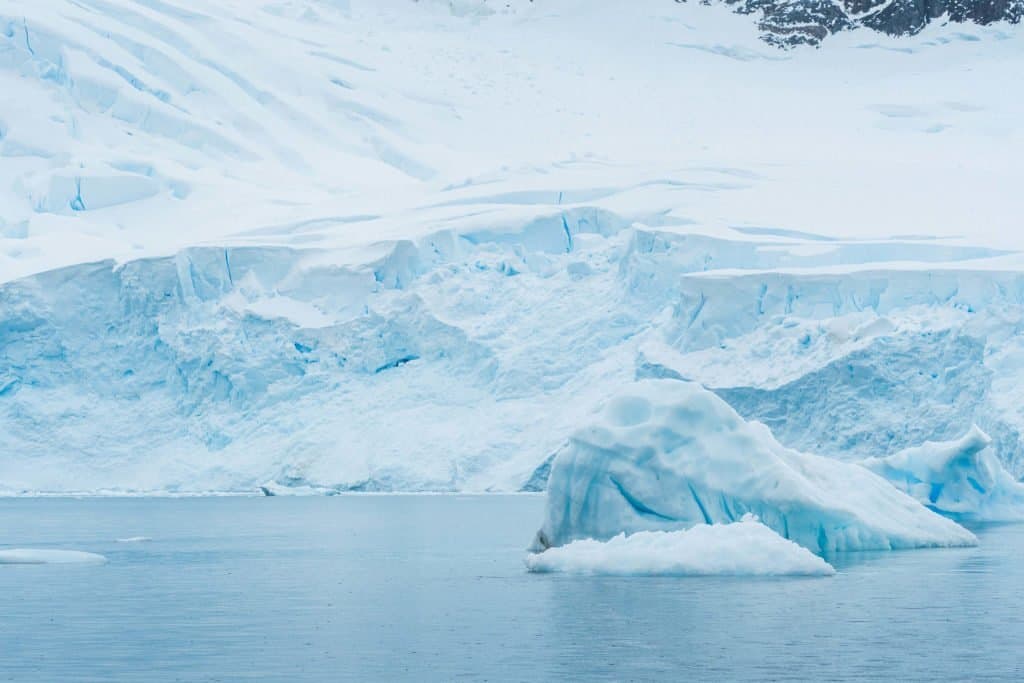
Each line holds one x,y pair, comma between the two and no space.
787,23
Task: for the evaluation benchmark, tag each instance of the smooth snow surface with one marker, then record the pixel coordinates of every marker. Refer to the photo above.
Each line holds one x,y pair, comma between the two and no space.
318,246
131,129
962,478
41,556
744,548
667,454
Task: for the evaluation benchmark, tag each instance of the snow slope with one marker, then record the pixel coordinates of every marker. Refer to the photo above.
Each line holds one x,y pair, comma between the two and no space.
391,245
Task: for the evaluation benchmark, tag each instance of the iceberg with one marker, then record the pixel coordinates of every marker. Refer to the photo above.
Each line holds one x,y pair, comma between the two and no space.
47,556
744,548
962,479
666,455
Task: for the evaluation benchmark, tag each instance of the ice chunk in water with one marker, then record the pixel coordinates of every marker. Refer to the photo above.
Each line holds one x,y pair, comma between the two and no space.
962,479
668,455
744,548
47,556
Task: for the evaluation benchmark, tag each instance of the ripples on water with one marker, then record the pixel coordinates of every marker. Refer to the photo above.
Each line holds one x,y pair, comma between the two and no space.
433,588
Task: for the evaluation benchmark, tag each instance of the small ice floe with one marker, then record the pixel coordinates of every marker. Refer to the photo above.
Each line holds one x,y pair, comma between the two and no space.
273,488
46,556
745,548
135,539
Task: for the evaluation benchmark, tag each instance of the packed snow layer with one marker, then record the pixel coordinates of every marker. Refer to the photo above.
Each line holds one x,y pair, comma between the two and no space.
43,556
744,548
667,454
961,479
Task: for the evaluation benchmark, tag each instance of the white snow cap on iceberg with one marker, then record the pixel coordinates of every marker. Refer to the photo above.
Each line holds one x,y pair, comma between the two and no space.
47,556
745,548
668,455
962,478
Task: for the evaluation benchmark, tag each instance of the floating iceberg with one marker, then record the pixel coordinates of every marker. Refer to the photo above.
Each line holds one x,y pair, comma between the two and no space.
668,455
745,548
962,479
45,556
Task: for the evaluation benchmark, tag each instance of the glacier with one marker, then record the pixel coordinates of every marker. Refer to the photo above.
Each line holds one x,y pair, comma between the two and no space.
742,548
666,454
412,246
461,361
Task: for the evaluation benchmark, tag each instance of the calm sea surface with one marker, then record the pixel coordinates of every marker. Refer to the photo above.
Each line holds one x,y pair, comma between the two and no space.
433,588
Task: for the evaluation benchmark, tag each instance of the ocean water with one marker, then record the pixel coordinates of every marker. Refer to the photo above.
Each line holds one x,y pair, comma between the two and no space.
433,588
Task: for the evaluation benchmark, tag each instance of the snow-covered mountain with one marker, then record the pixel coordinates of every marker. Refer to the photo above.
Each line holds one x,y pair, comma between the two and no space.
322,245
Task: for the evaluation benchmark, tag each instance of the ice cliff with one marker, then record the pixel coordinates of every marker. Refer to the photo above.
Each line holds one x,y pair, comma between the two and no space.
668,455
461,360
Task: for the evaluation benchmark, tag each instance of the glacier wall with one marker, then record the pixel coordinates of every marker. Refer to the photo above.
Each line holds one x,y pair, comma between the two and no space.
462,360
901,357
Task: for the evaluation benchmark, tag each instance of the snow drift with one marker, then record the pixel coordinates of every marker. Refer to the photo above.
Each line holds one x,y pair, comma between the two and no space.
743,548
668,455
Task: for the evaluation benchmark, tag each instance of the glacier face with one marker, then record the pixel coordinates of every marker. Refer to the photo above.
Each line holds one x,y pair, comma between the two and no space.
898,359
462,360
667,455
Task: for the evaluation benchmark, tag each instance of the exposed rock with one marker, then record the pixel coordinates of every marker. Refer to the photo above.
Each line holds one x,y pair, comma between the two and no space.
787,23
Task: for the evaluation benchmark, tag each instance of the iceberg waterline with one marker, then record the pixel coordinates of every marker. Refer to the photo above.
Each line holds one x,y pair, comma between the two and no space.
743,548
